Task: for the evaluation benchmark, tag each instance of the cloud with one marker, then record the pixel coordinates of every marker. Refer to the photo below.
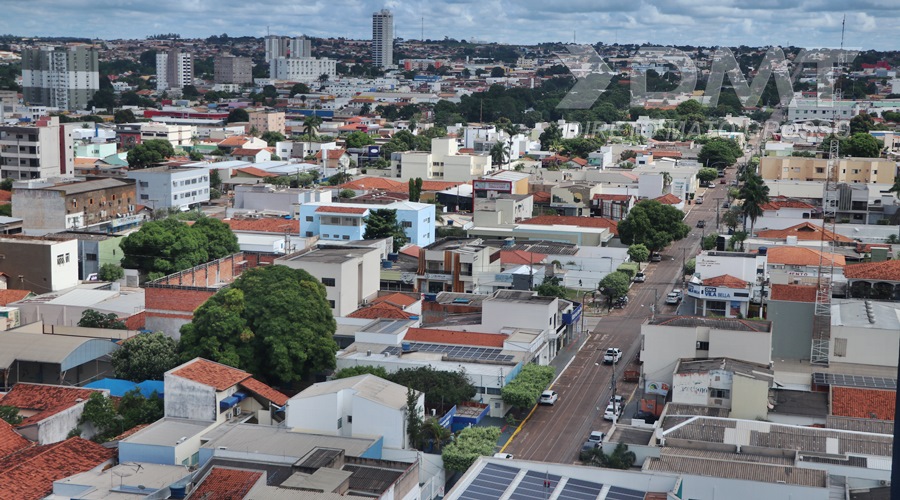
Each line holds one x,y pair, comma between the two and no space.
813,23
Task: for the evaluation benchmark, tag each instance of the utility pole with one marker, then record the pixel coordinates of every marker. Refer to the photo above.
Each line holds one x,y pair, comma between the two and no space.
718,204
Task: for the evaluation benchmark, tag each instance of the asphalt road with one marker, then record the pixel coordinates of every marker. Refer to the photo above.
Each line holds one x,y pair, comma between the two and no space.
556,433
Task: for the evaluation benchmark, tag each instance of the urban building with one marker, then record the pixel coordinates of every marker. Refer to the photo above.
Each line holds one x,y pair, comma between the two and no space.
267,121
94,250
346,221
302,69
39,151
59,77
383,38
443,163
452,265
282,46
177,135
231,69
847,170
738,387
174,70
39,264
171,187
46,207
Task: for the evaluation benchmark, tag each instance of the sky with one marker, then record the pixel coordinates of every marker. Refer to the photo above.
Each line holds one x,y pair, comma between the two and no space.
871,24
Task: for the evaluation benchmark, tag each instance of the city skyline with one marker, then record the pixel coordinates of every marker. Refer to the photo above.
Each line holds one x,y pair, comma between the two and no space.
812,23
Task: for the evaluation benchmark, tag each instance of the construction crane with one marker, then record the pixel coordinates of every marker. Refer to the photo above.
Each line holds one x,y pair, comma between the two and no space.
821,332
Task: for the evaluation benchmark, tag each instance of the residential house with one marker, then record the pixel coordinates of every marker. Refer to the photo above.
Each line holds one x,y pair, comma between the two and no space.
94,250
251,155
50,412
99,204
380,407
874,280
39,264
740,387
805,232
346,221
29,474
39,151
612,206
800,265
573,199
229,144
785,207
162,188
454,265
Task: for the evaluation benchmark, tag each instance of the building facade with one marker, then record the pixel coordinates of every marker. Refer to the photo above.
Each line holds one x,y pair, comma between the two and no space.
164,187
849,170
39,264
267,121
350,275
346,221
283,46
231,69
302,69
101,203
64,78
174,70
383,38
42,150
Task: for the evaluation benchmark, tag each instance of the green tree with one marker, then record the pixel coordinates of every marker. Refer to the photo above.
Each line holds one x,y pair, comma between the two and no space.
300,88
124,116
220,240
614,285
10,414
346,193
550,137
551,287
736,242
195,156
415,189
471,443
709,242
270,92
100,413
215,179
441,388
862,145
358,139
414,421
620,458
238,115
383,223
311,125
497,72
638,253
273,321
525,388
719,153
861,124
689,107
94,319
6,184
103,99
190,92
272,137
110,272
150,153
163,247
707,175
134,409
500,153
353,371
690,267
145,357
754,194
653,224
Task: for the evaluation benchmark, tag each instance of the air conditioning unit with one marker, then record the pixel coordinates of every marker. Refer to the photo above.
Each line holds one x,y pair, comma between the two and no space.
717,402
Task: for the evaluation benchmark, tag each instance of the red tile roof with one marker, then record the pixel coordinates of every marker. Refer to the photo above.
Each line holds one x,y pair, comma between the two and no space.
5,195
265,391
333,154
384,184
226,483
867,247
235,141
801,256
613,197
264,225
725,280
210,373
46,400
521,257
778,203
888,270
8,296
541,196
380,311
256,172
805,231
333,209
30,473
793,293
246,151
574,220
453,337
437,185
10,440
396,298
862,403
668,199
411,251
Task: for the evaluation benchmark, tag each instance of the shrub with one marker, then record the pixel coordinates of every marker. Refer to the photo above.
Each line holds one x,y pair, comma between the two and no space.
524,390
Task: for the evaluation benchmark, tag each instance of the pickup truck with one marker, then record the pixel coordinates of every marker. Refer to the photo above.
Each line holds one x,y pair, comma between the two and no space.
612,356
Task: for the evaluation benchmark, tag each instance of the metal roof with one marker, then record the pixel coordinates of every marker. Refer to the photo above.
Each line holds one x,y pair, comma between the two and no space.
738,470
66,351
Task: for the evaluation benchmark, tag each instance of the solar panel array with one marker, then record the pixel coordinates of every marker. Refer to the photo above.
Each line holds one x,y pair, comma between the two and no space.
576,489
457,352
617,493
535,486
854,381
490,483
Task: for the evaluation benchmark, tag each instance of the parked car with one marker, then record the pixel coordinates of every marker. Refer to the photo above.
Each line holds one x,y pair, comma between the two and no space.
699,200
617,399
587,447
596,437
505,456
612,411
655,257
549,398
679,291
734,182
612,356
701,223
639,278
672,298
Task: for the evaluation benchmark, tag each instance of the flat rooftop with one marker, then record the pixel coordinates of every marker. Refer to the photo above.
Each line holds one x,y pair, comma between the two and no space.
328,255
168,431
524,296
250,438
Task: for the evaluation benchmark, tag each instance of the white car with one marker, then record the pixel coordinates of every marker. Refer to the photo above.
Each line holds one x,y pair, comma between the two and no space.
505,456
612,412
617,399
639,278
596,437
612,356
672,298
549,398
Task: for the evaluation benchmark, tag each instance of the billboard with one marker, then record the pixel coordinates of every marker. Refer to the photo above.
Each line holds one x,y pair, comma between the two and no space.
660,388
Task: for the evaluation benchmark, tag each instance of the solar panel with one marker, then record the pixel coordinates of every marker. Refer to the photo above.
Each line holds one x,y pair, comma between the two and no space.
576,489
617,493
456,352
854,381
535,486
490,483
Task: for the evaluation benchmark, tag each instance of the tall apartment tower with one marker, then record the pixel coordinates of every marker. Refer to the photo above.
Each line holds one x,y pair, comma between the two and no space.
231,69
40,150
283,46
174,69
60,77
383,38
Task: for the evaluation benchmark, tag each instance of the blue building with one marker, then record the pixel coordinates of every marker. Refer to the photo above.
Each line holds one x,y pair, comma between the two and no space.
346,221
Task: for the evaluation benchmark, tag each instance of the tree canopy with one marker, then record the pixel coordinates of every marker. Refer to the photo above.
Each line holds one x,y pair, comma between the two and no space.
300,88
353,371
441,388
754,194
273,321
614,285
124,116
238,115
110,272
639,252
551,287
272,137
654,224
383,223
150,153
95,319
719,153
707,175
169,245
358,139
862,145
471,443
525,388
145,357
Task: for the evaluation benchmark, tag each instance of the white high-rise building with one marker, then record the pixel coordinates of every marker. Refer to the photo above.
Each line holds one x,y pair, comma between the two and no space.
174,70
383,38
282,46
302,69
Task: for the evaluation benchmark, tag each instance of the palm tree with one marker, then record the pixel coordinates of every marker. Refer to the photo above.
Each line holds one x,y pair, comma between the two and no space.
754,194
311,125
500,153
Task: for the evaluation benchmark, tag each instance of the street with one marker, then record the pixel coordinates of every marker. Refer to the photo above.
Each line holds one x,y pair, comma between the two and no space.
556,433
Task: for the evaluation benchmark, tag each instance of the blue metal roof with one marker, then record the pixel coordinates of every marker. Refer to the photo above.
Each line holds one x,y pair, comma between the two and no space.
117,387
148,386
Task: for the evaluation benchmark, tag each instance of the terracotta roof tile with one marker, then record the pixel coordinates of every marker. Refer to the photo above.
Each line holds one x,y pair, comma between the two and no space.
380,311
10,440
246,151
367,183
805,231
725,280
801,256
210,373
9,296
888,270
778,203
226,483
265,391
333,154
256,172
862,403
793,293
867,247
264,225
613,197
668,199
30,473
235,141
46,400
5,195
574,220
521,257
334,209
396,298
436,336
541,196
411,251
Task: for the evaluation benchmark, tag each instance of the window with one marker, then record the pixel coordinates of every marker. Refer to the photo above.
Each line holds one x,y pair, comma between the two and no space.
340,422
715,308
331,304
349,419
840,347
309,218
328,281
60,259
720,393
406,224
309,234
90,256
145,196
67,257
345,237
702,346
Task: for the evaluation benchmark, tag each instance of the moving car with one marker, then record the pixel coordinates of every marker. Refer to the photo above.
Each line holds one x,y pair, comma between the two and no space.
596,437
612,412
639,278
701,223
612,356
549,398
672,298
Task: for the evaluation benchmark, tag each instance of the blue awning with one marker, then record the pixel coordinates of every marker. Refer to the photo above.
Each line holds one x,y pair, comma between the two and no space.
228,403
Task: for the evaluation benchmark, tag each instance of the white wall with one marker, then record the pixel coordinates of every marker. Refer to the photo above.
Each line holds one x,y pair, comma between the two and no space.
754,347
374,419
739,267
866,346
64,275
662,347
188,399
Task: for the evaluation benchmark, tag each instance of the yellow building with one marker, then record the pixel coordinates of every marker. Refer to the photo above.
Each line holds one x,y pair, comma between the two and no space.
267,121
849,170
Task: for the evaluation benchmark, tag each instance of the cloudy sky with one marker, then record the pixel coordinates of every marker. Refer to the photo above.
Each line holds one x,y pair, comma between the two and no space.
871,24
